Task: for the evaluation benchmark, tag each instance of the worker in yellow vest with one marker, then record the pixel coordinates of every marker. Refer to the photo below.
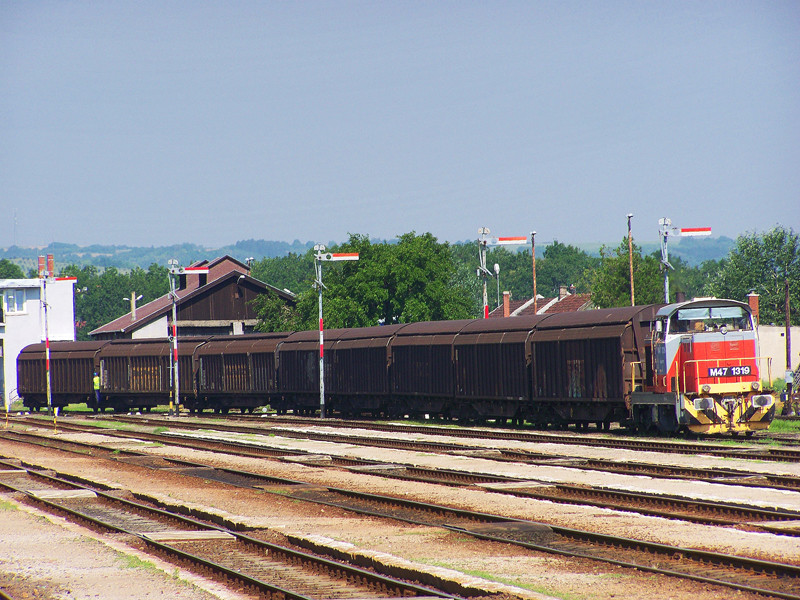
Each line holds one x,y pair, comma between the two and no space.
96,384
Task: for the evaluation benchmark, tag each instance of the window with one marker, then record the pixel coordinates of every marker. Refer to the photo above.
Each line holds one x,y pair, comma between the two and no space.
714,318
15,301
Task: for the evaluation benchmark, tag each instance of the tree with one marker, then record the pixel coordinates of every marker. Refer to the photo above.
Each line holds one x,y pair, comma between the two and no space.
611,283
412,280
99,297
556,265
9,270
563,264
292,272
763,263
276,315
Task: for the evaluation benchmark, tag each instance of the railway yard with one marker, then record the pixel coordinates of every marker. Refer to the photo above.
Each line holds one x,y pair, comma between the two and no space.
261,506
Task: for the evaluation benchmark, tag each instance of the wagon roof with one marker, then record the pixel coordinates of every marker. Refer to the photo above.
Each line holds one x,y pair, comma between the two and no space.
150,347
240,344
434,327
378,331
521,323
76,349
597,317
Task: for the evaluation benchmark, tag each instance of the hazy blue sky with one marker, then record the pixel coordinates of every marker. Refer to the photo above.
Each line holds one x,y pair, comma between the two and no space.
160,122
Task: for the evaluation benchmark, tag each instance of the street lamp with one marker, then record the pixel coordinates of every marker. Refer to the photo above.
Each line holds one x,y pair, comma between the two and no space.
497,276
133,299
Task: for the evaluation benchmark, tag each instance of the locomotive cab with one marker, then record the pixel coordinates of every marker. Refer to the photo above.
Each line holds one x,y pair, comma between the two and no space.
706,371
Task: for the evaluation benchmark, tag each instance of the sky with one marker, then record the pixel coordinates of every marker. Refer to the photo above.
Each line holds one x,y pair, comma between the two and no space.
152,123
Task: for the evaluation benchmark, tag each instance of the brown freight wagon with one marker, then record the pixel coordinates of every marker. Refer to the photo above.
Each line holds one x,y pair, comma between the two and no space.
137,374
422,371
236,372
298,369
492,374
72,367
359,371
582,365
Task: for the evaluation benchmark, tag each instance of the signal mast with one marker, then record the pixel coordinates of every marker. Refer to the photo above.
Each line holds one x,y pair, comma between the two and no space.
320,257
664,232
482,271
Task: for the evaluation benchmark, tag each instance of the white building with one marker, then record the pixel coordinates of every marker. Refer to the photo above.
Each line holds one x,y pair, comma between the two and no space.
772,344
22,321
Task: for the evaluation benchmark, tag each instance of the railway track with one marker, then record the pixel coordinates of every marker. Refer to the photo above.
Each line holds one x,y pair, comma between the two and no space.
740,515
789,453
724,476
265,568
763,577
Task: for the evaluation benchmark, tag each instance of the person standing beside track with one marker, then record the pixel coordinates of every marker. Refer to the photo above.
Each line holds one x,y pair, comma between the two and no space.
96,385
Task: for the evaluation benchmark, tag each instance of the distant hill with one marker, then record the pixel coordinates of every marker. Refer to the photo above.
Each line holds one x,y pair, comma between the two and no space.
128,257
693,250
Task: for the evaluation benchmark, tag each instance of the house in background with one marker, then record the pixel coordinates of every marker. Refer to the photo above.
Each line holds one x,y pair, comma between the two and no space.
564,302
218,302
22,321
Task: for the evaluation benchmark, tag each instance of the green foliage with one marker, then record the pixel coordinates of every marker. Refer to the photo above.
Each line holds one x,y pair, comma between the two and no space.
293,272
411,280
9,270
564,265
276,315
100,297
611,281
763,264
556,265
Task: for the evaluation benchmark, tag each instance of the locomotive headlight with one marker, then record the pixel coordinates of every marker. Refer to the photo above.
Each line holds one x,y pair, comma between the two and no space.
703,403
755,385
763,400
706,388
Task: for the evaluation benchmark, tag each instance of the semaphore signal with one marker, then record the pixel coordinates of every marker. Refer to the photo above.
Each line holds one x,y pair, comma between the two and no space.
320,257
665,225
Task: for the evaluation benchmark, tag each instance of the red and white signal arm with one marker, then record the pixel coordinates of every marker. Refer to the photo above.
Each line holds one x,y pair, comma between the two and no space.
516,240
334,256
190,270
694,231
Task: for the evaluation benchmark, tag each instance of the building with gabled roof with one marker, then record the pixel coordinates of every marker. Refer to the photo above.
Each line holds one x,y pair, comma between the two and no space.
218,302
564,302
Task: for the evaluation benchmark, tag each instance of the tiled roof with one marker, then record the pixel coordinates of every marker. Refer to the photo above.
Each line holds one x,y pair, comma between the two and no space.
545,306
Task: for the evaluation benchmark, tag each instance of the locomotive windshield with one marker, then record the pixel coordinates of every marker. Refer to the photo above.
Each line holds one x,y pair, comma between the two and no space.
710,318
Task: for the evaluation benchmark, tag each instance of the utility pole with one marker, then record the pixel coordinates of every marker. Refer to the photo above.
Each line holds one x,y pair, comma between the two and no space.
630,254
533,259
320,257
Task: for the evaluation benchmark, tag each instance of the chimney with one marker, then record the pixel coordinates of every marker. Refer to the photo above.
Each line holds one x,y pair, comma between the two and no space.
506,304
752,300
562,292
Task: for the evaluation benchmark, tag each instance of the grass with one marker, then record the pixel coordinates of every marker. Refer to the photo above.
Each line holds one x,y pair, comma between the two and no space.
7,505
779,426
